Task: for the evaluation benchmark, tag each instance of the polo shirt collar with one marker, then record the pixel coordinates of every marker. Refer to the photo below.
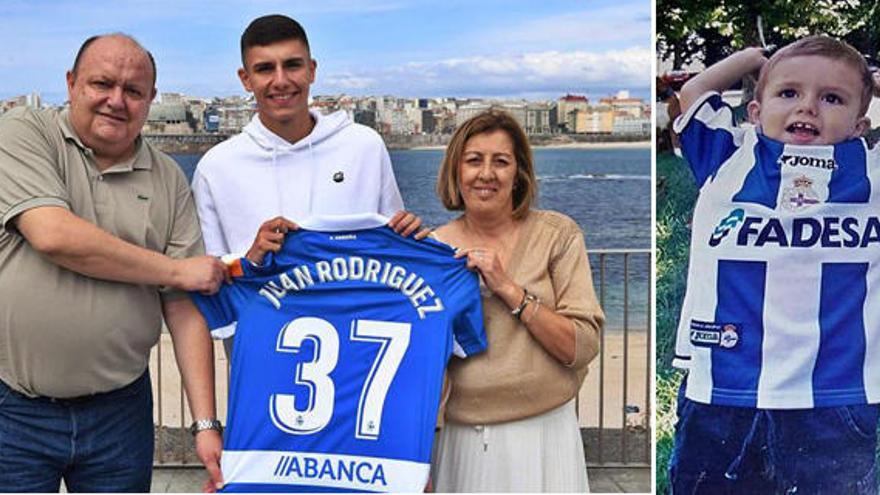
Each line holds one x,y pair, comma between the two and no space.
139,161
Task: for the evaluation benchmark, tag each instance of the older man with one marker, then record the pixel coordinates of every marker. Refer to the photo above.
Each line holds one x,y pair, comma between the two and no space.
100,237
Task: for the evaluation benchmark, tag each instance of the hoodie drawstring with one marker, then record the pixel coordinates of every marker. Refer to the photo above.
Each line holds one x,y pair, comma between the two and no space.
313,165
277,181
325,127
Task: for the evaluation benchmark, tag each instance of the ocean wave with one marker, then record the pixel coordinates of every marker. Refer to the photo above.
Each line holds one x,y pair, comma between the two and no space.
561,178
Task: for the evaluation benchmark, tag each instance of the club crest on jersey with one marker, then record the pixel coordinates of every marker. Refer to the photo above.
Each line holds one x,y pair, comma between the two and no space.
729,337
726,224
800,194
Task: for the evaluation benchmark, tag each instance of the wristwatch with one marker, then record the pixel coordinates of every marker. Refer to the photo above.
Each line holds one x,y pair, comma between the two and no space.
205,424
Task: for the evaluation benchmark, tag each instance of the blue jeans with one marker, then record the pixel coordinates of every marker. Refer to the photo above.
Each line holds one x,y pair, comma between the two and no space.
738,450
102,443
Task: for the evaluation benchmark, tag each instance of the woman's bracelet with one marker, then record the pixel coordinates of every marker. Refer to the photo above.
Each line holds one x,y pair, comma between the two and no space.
527,298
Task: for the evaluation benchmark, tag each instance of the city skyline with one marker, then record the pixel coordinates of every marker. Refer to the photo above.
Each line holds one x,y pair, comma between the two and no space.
510,49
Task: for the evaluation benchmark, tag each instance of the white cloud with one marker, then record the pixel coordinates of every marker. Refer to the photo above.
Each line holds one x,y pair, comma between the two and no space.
348,82
549,72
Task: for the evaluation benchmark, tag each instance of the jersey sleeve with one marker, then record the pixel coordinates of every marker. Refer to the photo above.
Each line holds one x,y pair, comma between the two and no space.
708,134
468,332
220,309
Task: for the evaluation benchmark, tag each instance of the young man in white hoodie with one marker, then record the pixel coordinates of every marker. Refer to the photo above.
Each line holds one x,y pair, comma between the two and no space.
289,163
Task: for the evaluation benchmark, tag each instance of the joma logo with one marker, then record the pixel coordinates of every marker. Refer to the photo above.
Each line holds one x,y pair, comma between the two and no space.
808,161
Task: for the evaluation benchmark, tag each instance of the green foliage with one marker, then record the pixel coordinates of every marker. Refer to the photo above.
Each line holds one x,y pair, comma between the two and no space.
676,194
710,30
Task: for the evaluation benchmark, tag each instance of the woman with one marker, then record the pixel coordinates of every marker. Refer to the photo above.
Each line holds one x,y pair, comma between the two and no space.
510,416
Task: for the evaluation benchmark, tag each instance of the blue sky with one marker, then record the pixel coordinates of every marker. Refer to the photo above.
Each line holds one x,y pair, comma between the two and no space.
507,49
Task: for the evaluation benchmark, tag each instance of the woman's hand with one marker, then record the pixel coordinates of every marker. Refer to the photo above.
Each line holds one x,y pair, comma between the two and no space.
553,331
488,263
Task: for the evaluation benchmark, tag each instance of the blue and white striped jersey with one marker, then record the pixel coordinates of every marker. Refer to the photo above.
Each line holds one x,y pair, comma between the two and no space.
340,348
782,309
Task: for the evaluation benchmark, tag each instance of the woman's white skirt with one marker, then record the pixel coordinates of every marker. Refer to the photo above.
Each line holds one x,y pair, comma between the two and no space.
543,453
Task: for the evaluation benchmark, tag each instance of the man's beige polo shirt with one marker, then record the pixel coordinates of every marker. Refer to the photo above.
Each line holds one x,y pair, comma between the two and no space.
63,334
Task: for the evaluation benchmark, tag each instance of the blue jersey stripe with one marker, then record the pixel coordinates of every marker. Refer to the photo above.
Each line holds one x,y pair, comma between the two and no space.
706,148
849,181
761,185
740,289
838,370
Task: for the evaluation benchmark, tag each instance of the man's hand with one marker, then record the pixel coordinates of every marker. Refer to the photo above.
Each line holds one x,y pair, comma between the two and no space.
270,237
405,223
200,273
209,445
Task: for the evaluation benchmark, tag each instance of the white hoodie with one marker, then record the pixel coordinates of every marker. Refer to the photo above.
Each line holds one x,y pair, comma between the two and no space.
340,168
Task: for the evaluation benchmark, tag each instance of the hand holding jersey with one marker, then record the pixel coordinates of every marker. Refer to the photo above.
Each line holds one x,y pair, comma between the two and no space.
269,238
487,262
406,224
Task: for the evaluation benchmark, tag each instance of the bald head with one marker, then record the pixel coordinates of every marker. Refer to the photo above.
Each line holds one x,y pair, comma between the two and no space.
110,89
117,37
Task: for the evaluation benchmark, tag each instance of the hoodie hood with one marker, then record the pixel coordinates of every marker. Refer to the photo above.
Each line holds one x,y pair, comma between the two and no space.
325,127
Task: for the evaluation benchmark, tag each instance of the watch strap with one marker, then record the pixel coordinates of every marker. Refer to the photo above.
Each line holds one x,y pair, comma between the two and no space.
205,424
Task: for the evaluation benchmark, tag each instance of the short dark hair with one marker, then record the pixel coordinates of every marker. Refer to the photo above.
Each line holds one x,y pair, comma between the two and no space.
270,29
92,39
525,186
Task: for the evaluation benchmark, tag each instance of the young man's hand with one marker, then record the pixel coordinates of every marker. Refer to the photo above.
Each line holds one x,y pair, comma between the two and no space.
269,237
405,223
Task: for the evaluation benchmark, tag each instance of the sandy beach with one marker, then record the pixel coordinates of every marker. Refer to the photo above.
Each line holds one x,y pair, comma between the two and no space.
606,381
170,409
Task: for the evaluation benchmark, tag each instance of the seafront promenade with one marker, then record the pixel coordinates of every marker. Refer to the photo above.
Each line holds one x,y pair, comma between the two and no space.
200,143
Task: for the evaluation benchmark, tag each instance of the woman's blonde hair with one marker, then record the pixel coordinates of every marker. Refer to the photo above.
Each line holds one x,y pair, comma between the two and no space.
525,186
